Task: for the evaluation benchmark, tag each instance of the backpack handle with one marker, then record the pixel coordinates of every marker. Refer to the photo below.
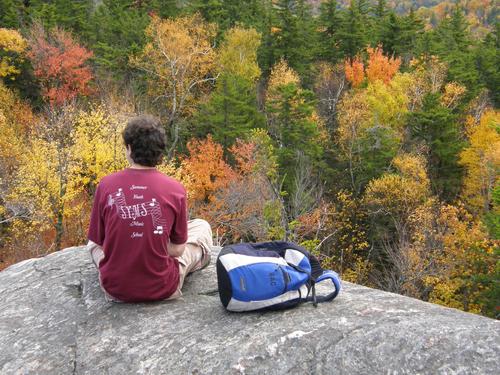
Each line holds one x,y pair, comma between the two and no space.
327,274
334,277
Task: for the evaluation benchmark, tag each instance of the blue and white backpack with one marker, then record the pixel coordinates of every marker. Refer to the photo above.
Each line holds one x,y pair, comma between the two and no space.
270,275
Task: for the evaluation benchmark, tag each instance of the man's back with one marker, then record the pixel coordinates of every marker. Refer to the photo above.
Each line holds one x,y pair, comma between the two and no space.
136,213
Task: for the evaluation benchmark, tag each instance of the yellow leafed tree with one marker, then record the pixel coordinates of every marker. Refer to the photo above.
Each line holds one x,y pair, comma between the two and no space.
452,94
282,74
13,45
462,256
372,119
481,161
97,149
40,188
394,199
16,119
179,59
388,102
437,252
70,152
397,195
238,54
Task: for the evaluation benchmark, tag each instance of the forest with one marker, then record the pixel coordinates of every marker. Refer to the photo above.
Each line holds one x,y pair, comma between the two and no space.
366,131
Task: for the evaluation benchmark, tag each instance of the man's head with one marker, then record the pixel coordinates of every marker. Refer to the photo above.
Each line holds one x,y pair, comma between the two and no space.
144,137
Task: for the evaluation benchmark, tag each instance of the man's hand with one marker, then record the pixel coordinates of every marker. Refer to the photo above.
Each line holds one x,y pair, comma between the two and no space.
175,250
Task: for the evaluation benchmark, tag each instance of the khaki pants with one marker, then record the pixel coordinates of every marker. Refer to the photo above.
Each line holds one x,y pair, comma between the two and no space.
195,257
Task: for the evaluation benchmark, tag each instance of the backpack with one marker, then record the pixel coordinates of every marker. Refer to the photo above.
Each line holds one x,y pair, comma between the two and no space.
270,276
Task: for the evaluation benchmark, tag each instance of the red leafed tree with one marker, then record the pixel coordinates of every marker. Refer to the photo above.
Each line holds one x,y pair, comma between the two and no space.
60,64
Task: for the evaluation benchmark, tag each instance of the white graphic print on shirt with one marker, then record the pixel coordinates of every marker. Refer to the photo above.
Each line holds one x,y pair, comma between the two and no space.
125,211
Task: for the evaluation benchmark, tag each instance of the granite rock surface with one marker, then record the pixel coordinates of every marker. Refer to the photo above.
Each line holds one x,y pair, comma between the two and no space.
54,320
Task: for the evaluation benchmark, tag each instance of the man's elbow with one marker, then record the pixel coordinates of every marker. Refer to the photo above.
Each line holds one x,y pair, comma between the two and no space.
176,250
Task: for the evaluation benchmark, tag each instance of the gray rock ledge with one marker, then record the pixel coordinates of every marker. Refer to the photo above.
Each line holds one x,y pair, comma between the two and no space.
54,320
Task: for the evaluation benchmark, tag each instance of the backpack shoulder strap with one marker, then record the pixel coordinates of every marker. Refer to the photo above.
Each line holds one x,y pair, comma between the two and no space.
327,275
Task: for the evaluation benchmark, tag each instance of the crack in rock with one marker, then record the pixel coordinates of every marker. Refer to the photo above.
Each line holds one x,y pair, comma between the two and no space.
211,293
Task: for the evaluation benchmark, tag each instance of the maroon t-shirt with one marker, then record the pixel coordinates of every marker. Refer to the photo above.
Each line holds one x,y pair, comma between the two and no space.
135,214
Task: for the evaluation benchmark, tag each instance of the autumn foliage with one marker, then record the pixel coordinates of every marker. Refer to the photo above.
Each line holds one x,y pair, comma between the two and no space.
378,67
13,45
206,165
230,195
381,67
367,135
481,161
355,71
60,64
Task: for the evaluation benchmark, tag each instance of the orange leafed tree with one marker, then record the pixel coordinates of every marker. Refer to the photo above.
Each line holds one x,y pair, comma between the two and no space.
60,65
245,156
233,198
381,67
354,71
206,163
238,208
378,68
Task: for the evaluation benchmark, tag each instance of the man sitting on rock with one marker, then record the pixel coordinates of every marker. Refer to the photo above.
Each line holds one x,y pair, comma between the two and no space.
139,236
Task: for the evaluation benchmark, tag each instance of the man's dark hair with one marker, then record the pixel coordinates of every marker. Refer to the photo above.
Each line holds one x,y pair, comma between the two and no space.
146,138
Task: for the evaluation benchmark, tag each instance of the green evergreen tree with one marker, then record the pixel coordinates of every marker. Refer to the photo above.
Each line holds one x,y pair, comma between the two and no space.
229,13
266,55
453,29
492,218
296,39
165,8
380,14
293,129
231,111
116,32
248,13
213,11
329,22
453,44
411,32
46,13
391,34
488,62
438,128
377,149
400,35
9,17
352,35
490,294
380,10
68,14
363,8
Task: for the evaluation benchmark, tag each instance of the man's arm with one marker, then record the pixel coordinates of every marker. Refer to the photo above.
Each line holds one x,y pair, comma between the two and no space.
179,233
96,226
176,250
